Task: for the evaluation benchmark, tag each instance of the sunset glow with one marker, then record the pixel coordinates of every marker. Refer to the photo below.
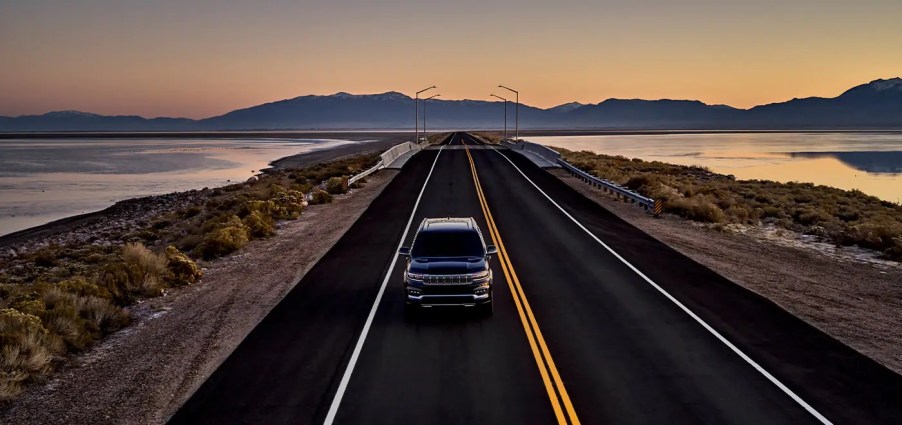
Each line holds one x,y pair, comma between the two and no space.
202,58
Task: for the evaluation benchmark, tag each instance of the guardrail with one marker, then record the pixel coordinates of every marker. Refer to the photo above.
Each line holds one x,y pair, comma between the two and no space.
396,151
386,159
647,203
542,151
359,176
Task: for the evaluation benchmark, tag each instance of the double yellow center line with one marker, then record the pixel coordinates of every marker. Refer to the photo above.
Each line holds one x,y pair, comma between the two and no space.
557,393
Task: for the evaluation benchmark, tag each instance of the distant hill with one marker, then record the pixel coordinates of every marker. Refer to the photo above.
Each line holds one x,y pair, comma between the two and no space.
82,121
343,110
664,113
876,105
567,107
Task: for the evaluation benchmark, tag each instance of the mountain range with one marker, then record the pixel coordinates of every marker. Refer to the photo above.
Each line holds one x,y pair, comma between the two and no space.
875,105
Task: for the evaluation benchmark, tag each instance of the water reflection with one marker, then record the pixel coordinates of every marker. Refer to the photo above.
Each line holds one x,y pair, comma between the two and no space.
871,162
45,180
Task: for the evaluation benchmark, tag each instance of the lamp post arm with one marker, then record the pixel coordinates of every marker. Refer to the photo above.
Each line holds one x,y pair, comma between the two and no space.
416,114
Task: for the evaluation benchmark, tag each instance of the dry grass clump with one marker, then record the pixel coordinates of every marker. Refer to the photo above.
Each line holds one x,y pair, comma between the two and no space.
226,238
26,351
320,197
259,225
181,270
337,185
841,216
146,269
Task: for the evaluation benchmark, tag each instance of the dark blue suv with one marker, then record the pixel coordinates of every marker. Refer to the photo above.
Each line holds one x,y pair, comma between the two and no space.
448,265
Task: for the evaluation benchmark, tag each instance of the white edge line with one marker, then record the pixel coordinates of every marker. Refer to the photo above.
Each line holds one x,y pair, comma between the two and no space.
716,334
346,378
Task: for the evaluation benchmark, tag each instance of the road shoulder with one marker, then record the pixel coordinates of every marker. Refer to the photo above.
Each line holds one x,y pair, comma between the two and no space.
854,301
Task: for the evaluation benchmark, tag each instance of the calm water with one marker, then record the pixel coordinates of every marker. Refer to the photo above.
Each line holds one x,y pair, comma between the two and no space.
870,162
45,180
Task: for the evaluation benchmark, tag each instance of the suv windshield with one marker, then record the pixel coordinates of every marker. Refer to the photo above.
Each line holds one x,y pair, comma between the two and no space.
448,244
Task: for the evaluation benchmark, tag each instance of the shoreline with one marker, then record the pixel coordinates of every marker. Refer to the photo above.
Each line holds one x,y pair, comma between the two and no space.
56,227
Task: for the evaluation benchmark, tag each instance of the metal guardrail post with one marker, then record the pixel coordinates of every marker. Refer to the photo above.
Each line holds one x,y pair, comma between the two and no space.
609,187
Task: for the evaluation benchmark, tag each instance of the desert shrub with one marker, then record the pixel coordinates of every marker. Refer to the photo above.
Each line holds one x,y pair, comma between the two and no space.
180,269
302,187
146,268
737,214
880,233
320,197
80,286
894,252
191,211
80,320
260,206
225,239
774,212
259,225
61,317
28,303
46,258
161,224
26,350
847,214
337,185
810,216
643,183
189,242
698,209
290,204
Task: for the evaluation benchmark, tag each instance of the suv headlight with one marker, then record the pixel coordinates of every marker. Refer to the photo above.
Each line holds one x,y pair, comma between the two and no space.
415,276
481,275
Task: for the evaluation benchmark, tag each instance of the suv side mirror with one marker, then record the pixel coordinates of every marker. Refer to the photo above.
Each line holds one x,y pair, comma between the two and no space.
405,251
491,249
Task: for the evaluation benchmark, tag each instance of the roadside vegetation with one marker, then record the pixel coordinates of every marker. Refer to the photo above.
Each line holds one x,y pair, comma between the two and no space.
59,300
842,217
490,137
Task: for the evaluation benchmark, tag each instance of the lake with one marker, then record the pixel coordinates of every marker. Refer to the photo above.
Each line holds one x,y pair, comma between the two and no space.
42,180
868,161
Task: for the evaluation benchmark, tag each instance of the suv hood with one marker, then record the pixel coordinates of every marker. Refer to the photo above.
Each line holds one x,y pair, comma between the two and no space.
441,266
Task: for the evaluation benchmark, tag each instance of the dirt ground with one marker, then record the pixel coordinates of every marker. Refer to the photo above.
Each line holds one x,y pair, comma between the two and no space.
854,298
144,373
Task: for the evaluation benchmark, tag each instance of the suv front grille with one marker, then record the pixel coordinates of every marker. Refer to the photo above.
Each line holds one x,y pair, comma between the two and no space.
449,279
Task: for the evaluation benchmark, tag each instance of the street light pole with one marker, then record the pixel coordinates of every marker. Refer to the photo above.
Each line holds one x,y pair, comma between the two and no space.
505,114
425,136
416,119
517,112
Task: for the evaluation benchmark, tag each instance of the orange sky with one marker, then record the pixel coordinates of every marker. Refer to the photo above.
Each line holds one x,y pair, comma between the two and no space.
204,57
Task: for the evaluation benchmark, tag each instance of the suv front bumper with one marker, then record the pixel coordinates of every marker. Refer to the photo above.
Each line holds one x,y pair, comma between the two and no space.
449,295
466,300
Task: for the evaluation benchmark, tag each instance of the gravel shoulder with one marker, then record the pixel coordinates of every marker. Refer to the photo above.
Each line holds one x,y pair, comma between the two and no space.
143,373
845,293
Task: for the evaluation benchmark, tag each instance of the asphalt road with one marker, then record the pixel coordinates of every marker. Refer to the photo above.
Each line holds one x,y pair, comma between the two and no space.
577,335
